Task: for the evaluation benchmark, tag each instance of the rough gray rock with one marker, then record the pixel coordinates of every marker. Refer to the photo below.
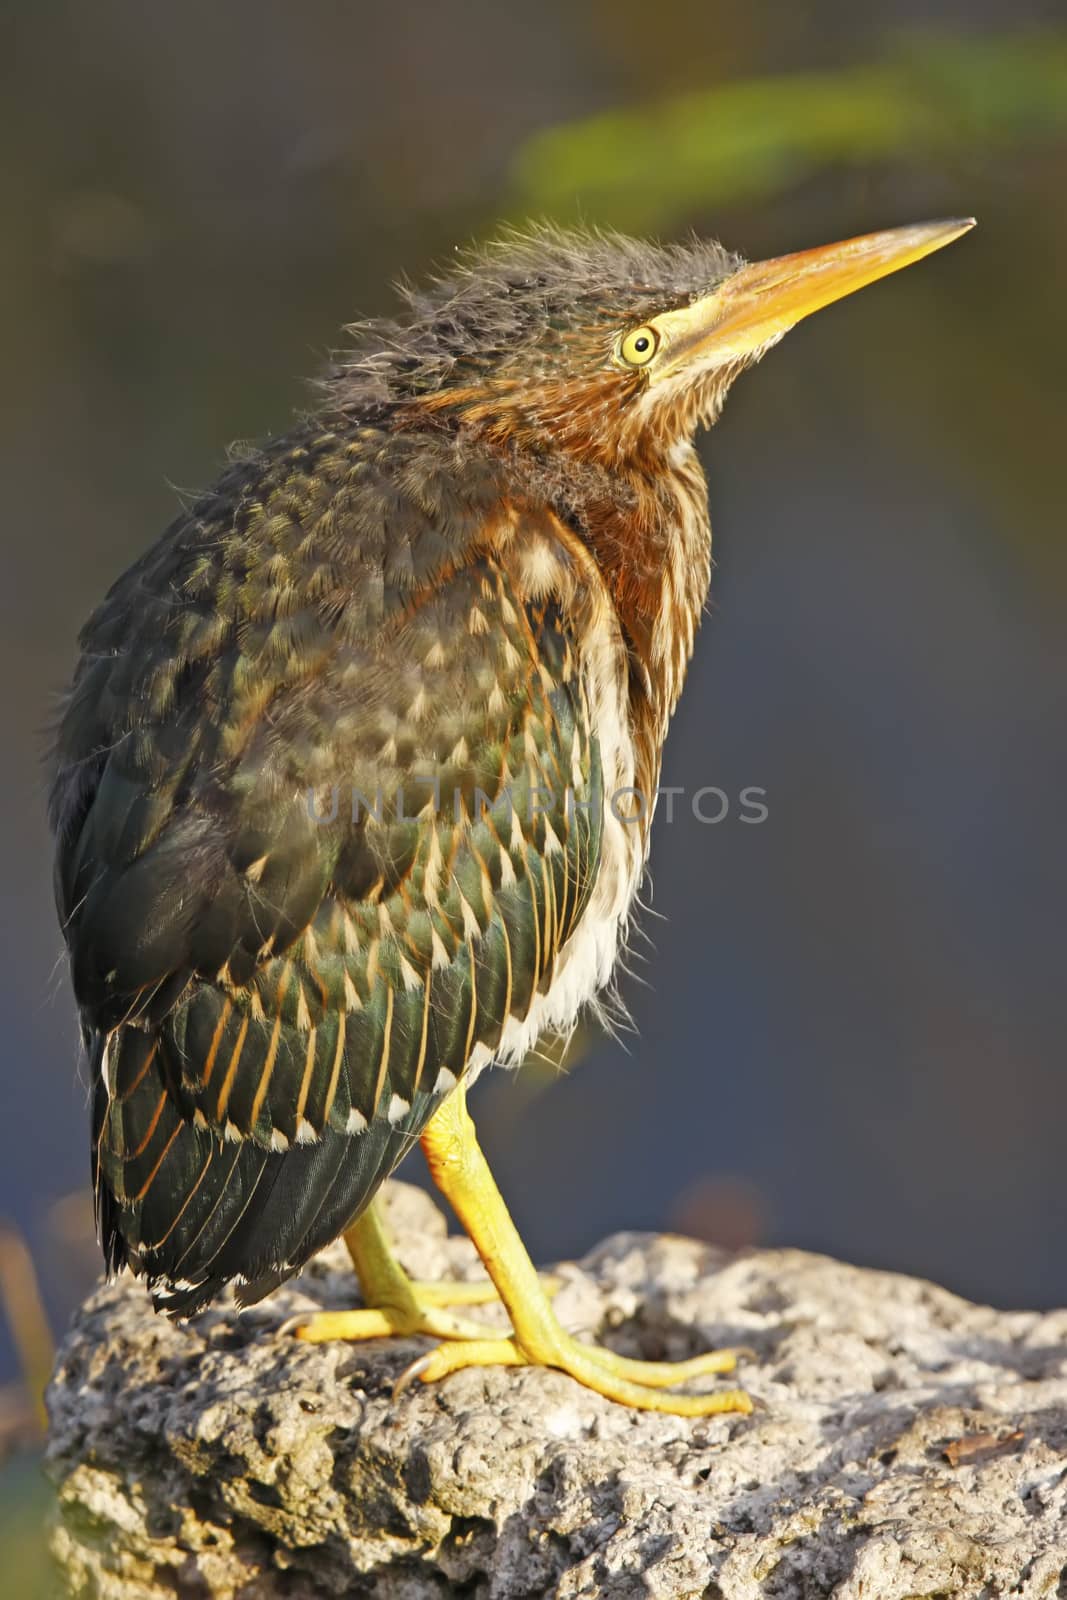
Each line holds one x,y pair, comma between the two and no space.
905,1444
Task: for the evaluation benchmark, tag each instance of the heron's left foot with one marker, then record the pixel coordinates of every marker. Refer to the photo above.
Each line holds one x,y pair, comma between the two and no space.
462,1174
631,1383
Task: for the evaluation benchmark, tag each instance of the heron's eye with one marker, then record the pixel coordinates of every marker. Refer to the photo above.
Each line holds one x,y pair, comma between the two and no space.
639,346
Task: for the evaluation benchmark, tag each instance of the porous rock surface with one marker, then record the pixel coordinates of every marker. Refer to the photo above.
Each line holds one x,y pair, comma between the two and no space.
905,1444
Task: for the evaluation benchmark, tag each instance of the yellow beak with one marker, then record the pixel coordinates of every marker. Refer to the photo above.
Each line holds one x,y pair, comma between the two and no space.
762,301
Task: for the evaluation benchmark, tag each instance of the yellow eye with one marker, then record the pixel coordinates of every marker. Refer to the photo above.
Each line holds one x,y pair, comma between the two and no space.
639,346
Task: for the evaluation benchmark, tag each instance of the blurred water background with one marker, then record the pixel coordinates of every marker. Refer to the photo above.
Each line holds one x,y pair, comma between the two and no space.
851,1019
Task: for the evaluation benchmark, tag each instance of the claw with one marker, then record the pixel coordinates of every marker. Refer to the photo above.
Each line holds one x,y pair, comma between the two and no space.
413,1370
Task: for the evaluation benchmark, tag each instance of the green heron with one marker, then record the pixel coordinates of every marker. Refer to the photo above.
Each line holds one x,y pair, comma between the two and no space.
354,780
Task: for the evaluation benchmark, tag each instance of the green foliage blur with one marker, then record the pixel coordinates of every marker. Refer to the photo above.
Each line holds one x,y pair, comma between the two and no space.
928,97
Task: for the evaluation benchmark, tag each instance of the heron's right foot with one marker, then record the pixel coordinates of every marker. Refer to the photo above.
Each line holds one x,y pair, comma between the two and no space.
396,1304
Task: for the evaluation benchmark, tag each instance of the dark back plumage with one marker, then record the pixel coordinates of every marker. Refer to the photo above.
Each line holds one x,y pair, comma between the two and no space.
280,938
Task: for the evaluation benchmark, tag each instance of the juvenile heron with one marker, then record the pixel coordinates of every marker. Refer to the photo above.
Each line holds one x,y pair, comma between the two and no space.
354,781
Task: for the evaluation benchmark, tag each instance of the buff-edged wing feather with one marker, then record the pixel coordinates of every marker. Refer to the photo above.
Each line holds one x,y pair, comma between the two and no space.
314,856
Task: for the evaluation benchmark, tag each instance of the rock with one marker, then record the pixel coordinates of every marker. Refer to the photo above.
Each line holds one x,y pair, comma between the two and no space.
905,1443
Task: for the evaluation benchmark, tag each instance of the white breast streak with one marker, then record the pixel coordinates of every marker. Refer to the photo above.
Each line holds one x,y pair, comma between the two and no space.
587,961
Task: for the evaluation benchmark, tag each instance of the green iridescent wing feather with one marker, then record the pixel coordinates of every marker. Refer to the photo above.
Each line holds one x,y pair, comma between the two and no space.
318,842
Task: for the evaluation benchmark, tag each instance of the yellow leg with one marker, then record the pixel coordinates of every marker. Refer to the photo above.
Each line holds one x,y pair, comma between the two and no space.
395,1303
462,1173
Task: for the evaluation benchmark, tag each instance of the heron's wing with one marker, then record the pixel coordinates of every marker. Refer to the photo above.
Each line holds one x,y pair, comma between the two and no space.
325,823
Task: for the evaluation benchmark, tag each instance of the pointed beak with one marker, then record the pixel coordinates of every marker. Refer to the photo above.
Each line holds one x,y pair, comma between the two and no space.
762,301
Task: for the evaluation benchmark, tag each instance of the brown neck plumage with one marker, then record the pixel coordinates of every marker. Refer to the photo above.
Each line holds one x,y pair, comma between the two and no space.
653,550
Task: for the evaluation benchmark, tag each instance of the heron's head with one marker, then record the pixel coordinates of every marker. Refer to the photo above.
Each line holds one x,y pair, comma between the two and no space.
606,347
